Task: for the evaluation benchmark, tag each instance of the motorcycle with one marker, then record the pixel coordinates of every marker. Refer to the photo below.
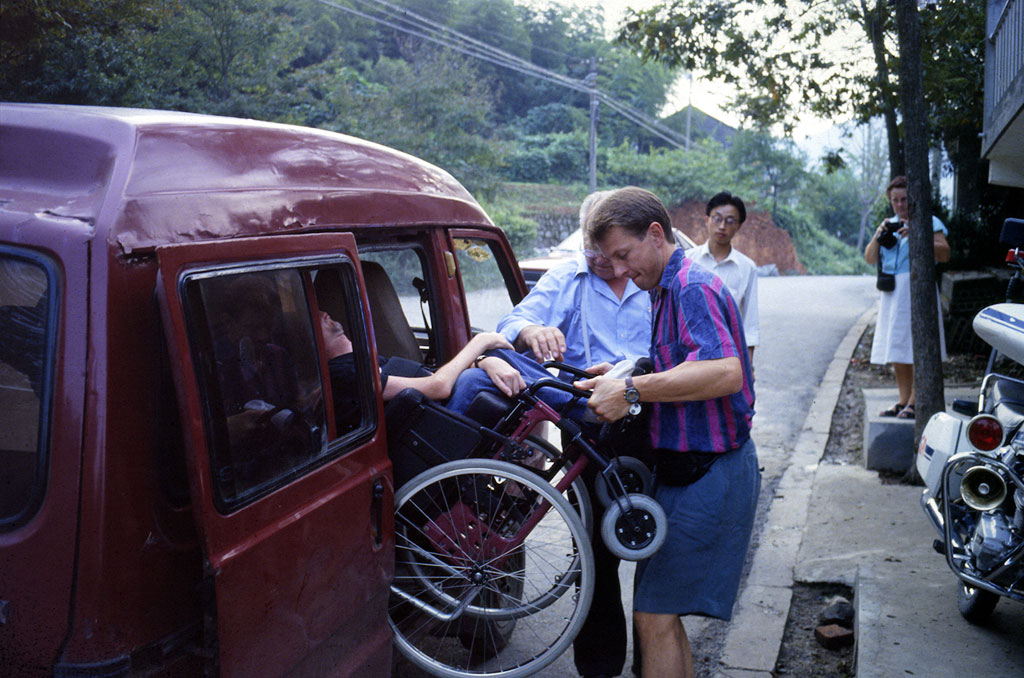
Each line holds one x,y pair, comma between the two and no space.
973,464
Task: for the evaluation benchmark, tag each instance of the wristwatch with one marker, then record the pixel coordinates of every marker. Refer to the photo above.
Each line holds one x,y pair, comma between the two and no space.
632,397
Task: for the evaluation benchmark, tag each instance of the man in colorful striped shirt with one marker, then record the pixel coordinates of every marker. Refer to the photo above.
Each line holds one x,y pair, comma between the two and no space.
706,477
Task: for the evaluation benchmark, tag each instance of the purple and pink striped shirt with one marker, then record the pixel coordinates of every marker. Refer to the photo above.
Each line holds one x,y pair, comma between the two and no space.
695,318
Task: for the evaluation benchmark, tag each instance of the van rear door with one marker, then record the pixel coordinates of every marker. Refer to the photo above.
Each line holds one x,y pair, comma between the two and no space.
291,495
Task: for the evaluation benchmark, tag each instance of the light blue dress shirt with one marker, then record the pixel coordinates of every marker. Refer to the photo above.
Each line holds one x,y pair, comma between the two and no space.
598,326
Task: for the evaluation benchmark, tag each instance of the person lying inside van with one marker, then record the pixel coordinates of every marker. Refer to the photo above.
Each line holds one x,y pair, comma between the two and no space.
487,362
398,374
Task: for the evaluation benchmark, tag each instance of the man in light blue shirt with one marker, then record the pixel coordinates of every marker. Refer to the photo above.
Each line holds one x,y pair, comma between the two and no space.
581,314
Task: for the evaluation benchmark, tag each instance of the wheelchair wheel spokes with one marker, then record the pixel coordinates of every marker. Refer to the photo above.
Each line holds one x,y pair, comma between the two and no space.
478,591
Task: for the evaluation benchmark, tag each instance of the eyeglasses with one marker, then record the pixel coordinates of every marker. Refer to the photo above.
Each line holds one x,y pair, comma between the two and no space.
593,254
716,219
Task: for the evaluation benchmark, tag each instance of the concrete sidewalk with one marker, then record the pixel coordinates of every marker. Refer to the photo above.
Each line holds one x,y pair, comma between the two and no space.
831,523
876,538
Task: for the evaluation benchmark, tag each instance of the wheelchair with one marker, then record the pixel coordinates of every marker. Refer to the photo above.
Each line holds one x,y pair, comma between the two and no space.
494,570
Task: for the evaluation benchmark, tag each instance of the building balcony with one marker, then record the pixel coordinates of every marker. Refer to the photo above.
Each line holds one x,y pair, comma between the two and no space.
1003,130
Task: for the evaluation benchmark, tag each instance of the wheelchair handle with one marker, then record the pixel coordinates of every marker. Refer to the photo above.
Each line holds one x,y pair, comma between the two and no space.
557,384
564,367
643,366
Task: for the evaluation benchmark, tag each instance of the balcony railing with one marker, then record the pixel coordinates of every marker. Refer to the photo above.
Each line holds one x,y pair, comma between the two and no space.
1004,67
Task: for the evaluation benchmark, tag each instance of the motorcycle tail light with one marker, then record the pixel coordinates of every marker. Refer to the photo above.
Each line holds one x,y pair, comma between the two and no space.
985,433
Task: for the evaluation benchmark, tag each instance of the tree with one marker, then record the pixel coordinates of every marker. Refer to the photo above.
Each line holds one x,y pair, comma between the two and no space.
774,166
774,52
928,385
870,168
437,107
73,51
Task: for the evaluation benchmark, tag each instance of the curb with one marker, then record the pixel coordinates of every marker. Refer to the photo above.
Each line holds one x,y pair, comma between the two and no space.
754,637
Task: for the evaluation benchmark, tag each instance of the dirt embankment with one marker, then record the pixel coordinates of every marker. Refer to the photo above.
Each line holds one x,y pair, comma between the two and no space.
759,238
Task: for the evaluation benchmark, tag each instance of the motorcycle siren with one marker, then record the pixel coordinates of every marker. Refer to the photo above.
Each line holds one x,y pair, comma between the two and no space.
982,488
985,433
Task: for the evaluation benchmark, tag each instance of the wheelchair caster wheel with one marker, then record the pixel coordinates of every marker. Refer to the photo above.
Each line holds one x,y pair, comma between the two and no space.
633,473
636,529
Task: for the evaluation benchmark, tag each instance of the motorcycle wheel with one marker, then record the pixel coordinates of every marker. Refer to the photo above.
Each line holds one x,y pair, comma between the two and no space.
975,605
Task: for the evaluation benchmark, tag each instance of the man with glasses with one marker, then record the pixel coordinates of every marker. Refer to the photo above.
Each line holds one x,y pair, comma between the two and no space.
725,214
582,314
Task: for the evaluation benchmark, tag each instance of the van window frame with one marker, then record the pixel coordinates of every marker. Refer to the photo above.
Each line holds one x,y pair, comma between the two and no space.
44,427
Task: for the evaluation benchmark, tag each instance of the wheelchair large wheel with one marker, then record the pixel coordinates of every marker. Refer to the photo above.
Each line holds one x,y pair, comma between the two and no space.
633,473
634,527
494,570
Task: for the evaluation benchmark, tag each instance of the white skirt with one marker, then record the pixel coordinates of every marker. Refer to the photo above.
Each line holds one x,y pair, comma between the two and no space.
892,342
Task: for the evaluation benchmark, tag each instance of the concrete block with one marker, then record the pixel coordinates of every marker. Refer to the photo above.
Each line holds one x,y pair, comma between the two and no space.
756,630
775,557
742,673
888,443
789,508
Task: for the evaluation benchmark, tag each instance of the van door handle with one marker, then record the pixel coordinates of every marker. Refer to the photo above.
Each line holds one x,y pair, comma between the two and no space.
377,512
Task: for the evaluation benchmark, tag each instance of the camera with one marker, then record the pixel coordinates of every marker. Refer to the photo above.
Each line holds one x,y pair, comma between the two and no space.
887,238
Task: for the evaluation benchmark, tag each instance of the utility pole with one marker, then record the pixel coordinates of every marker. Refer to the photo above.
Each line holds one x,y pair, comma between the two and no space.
689,107
592,84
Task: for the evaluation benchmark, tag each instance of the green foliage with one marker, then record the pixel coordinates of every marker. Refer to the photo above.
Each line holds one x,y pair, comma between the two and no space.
72,51
436,107
835,204
553,118
546,157
773,167
821,253
520,230
674,175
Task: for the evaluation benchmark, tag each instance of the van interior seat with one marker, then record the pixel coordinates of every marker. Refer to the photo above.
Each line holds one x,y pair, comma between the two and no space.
394,336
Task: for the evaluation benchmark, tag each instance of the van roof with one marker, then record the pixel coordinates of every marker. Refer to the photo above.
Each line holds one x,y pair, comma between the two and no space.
143,178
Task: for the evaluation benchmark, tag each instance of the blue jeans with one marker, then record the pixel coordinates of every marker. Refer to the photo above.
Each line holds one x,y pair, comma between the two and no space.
474,380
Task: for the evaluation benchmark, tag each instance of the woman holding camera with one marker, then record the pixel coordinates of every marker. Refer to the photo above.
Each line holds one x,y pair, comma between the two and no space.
889,250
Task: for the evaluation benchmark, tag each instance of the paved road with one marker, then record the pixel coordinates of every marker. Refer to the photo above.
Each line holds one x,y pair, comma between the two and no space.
803,319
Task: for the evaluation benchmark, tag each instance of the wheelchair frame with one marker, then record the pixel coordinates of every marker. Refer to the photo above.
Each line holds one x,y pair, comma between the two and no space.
465,534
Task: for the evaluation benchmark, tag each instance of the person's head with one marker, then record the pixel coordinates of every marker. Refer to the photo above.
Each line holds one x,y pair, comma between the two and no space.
631,227
249,307
896,192
725,214
598,264
336,342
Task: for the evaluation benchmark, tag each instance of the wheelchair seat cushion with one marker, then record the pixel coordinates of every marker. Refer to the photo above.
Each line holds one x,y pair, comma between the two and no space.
422,434
488,408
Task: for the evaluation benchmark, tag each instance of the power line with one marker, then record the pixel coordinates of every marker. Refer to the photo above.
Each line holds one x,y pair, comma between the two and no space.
409,22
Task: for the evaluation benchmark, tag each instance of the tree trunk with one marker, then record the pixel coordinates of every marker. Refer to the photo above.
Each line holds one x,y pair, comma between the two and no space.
874,24
928,385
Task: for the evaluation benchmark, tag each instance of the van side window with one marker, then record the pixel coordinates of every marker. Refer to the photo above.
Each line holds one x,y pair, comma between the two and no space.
487,295
253,343
28,311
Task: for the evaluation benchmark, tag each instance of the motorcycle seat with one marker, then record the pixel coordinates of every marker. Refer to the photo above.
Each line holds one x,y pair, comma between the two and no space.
1005,401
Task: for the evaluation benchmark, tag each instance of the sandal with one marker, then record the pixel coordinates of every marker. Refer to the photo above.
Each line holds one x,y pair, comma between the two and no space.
906,413
893,411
